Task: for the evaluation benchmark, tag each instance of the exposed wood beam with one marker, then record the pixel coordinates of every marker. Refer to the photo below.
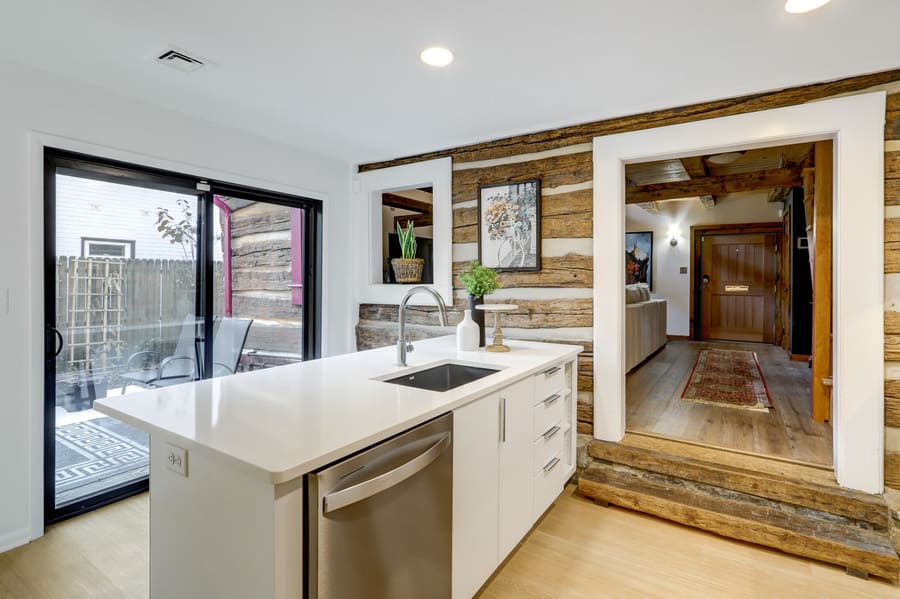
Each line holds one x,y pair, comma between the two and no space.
427,189
756,181
418,220
779,194
395,201
822,282
695,167
554,138
708,201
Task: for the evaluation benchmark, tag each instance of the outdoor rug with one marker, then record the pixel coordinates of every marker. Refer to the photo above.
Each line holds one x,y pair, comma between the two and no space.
728,378
96,455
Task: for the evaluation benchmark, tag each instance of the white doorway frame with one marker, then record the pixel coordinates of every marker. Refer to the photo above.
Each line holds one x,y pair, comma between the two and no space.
856,124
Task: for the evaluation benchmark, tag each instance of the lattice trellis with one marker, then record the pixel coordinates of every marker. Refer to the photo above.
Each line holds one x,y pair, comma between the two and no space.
94,313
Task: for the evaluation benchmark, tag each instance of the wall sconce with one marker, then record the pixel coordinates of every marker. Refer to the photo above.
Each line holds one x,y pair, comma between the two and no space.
674,234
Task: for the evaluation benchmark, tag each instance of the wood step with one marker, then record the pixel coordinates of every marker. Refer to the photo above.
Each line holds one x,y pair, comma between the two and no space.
797,530
783,487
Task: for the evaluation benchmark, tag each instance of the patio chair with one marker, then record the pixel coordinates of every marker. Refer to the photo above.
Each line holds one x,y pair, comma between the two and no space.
228,344
180,367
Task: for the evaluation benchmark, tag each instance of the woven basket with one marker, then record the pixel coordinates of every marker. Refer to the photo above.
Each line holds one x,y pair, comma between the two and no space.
408,271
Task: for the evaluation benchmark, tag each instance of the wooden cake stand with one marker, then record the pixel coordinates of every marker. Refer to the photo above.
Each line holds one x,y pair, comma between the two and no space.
497,345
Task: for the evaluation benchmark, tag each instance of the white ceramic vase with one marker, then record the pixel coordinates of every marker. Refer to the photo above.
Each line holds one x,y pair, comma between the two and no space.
467,333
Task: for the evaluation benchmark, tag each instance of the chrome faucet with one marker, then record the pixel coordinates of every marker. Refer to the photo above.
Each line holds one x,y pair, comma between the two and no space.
403,344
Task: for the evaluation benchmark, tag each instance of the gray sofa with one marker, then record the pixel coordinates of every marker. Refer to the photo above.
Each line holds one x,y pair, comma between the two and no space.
645,325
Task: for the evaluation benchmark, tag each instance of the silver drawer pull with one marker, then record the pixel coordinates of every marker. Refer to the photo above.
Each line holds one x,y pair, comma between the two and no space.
551,465
551,433
552,371
551,400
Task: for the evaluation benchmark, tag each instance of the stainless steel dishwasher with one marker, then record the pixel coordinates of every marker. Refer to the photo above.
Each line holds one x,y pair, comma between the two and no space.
378,523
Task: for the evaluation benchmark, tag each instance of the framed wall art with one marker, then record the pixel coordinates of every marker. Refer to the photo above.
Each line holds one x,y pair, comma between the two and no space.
639,258
509,225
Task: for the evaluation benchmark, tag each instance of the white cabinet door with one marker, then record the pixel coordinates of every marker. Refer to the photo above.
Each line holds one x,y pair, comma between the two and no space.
516,472
476,434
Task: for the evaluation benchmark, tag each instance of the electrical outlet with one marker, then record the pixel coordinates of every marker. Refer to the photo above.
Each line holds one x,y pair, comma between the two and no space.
176,459
683,270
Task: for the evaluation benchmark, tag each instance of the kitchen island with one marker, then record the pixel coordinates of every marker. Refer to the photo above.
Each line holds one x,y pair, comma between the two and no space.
228,455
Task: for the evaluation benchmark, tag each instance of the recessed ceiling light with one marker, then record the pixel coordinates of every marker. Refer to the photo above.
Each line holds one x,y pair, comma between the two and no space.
436,56
800,6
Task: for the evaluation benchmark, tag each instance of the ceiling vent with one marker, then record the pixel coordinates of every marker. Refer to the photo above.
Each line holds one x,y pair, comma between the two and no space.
180,61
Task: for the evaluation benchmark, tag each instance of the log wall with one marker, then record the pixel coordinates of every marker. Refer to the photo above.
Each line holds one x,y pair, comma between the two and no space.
261,279
555,303
892,291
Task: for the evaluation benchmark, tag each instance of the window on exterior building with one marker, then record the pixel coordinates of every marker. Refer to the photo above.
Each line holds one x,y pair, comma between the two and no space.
106,248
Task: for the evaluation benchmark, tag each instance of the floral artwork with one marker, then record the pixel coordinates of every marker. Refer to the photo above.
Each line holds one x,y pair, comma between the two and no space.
509,230
639,258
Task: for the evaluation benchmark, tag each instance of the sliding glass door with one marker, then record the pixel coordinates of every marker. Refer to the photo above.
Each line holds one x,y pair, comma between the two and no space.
156,279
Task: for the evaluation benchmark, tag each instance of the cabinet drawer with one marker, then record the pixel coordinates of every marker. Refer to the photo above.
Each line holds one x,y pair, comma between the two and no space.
548,445
552,380
548,483
548,412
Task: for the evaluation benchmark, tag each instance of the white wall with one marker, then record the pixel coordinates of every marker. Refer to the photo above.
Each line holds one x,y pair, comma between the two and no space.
668,282
35,105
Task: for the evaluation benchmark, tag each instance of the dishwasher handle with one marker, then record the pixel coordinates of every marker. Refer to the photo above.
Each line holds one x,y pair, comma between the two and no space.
358,492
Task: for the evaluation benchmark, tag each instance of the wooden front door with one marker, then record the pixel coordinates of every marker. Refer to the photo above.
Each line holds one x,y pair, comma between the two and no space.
738,287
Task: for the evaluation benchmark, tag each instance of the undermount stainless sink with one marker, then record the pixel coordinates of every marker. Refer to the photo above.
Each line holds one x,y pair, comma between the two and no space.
443,377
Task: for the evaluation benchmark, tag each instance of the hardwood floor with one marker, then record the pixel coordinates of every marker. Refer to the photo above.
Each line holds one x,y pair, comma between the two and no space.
579,550
103,554
654,406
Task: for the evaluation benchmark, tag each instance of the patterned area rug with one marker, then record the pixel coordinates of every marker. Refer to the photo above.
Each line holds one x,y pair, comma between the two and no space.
729,378
96,455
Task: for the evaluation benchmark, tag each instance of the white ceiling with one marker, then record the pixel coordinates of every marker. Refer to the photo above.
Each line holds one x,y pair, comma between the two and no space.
343,77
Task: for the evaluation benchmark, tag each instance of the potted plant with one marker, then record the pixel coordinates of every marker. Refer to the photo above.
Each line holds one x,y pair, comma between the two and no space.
479,281
407,269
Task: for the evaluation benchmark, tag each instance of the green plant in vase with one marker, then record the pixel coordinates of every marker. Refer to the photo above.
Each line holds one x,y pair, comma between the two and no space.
408,268
479,281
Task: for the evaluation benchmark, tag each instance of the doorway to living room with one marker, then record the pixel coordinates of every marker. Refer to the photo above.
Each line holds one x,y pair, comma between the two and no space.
719,310
856,124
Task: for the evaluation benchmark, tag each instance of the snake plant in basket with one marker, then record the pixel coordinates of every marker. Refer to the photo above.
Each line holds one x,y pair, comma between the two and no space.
407,269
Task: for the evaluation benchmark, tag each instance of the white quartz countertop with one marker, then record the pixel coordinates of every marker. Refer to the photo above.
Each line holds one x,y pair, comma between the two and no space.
287,421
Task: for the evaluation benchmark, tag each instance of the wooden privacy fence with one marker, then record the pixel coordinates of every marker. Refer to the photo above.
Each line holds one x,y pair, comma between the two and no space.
107,308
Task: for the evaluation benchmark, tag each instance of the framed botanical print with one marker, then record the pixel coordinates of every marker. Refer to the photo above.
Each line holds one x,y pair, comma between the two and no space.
639,258
509,225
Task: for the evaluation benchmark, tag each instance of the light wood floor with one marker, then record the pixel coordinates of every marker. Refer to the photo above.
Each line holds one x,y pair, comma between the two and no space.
104,554
654,406
579,550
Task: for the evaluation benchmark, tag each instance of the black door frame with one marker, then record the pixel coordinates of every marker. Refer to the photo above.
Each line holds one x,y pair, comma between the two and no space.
56,160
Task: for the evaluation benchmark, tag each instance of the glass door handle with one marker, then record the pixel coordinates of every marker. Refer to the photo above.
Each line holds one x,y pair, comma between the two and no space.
59,338
358,492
